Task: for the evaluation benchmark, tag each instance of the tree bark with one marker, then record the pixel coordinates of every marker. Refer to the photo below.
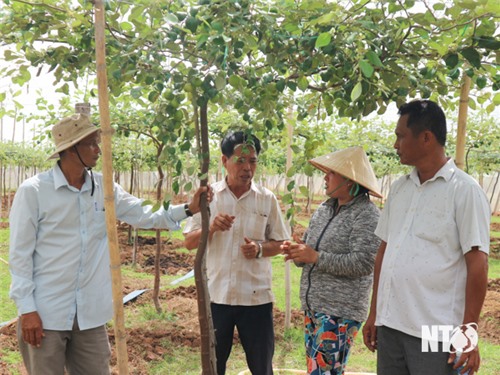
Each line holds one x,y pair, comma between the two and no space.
208,358
156,289
109,202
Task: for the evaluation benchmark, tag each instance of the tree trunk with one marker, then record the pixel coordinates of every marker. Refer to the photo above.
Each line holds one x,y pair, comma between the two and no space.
462,122
156,289
208,358
109,202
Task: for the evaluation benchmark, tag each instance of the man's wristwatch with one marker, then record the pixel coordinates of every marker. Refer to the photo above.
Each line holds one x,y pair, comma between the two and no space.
187,210
259,252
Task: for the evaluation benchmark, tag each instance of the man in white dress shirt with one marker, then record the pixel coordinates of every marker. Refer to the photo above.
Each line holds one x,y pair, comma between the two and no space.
432,265
246,229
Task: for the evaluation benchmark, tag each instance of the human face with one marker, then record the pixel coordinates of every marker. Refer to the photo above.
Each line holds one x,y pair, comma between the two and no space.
240,167
408,146
336,185
89,149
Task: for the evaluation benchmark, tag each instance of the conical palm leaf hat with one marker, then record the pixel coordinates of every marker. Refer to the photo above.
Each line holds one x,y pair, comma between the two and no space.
352,163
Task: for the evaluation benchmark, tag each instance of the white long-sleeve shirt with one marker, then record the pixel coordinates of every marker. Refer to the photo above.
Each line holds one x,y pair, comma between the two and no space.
59,257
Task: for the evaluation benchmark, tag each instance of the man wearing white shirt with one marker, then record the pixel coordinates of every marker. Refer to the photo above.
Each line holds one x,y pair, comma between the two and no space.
59,260
431,267
246,230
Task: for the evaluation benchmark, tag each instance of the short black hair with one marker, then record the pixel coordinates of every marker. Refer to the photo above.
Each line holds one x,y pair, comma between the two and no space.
239,137
425,115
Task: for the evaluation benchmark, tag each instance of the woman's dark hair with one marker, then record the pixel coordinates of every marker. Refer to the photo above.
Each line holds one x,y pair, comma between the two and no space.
362,190
425,115
236,138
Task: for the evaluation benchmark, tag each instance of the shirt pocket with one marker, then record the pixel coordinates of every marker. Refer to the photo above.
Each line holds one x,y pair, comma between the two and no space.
255,226
99,224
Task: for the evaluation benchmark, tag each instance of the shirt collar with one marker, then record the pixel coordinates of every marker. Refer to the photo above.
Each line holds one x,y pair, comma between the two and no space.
60,179
446,172
224,186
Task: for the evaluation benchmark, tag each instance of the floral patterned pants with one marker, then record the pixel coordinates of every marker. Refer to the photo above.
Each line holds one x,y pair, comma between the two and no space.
328,340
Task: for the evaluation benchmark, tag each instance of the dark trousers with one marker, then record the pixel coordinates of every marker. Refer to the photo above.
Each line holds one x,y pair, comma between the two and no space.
401,354
256,332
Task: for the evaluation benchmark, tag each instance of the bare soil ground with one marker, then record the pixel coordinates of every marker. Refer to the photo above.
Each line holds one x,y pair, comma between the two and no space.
152,340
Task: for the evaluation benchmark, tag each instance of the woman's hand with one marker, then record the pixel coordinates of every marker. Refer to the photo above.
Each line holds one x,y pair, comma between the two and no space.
299,252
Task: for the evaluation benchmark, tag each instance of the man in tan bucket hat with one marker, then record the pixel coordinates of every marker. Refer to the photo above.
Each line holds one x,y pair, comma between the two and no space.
337,255
59,259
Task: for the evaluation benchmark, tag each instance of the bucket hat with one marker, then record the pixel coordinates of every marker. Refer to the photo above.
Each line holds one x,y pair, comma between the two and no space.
71,130
352,163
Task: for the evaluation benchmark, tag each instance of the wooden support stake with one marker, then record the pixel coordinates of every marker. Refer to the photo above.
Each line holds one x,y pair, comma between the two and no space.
109,200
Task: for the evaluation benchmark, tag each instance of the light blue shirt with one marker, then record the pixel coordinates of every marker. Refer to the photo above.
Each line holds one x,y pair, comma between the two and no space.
59,259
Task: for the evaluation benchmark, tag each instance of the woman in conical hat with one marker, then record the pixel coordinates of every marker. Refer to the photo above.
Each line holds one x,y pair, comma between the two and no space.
337,255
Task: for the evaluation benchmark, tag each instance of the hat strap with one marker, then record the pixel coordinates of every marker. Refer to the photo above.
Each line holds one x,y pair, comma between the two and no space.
88,168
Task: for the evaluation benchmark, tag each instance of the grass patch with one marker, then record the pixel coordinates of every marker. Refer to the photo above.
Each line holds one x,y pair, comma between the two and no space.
165,234
494,268
8,309
490,358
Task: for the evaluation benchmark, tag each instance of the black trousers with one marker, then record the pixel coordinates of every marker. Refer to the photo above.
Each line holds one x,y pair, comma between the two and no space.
256,332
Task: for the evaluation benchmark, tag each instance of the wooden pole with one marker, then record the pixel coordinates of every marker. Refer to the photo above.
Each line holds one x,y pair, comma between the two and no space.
109,200
288,282
462,122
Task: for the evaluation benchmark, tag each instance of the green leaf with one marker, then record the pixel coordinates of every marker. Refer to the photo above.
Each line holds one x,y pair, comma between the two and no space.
175,186
220,81
287,198
126,26
236,81
472,56
356,92
188,186
217,25
304,190
374,59
366,68
290,185
487,42
280,85
291,172
201,39
323,40
166,204
303,83
135,92
146,202
172,18
472,104
481,82
496,99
